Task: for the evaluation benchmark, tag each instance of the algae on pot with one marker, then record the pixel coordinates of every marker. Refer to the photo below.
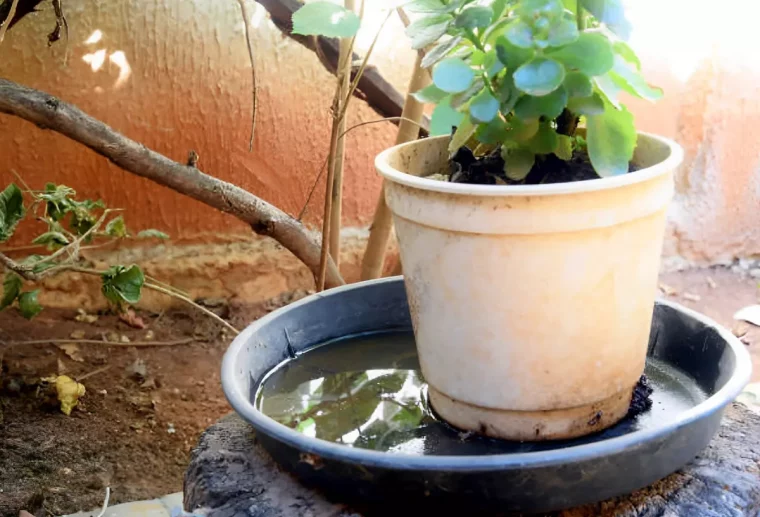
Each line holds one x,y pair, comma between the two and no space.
531,269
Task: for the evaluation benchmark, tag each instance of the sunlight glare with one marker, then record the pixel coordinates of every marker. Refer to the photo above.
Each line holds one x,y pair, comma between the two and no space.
119,59
95,59
96,36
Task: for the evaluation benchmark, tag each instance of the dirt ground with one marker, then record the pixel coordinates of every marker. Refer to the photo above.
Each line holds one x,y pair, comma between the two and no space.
140,417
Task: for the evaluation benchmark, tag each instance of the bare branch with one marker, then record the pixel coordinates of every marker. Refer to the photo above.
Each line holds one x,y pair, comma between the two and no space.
249,40
48,112
7,21
185,299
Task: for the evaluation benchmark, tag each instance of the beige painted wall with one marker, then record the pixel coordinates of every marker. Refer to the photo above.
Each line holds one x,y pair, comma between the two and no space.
187,86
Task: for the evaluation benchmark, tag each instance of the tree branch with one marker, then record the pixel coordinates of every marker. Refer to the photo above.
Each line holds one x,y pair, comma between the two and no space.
24,7
48,112
372,88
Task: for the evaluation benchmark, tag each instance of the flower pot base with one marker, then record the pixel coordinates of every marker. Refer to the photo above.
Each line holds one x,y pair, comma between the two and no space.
526,426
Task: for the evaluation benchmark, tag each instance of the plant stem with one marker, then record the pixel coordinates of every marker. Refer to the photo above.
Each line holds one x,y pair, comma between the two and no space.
331,159
249,41
189,301
380,231
64,341
344,75
580,15
475,40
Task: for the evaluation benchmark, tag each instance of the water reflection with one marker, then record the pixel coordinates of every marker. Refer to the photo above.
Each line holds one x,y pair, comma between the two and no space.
371,409
367,392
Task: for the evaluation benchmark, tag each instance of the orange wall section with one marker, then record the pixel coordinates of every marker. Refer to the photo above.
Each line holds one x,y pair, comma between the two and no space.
174,75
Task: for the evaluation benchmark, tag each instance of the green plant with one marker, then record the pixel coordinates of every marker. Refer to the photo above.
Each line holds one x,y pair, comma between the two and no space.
518,77
71,225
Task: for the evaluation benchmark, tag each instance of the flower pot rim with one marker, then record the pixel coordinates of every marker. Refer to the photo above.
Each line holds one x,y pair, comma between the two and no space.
662,168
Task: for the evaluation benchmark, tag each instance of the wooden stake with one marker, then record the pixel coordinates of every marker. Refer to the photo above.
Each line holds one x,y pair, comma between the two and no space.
408,130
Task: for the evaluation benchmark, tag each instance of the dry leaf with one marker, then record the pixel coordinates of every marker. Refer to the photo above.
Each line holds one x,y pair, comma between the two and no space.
78,334
750,314
73,351
668,290
68,391
84,317
691,297
133,320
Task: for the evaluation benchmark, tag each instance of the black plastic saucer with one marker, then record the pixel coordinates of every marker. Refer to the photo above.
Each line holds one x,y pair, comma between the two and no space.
696,368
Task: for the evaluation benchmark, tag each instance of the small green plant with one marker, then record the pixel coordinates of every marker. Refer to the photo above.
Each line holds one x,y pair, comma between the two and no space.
71,225
517,78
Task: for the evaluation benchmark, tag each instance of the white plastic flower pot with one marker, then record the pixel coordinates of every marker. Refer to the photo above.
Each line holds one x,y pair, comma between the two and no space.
531,304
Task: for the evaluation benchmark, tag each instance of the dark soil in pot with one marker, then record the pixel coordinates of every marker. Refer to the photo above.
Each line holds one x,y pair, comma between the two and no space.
465,167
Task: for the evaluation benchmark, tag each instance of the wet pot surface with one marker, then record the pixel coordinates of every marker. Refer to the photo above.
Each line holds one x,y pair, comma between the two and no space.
332,385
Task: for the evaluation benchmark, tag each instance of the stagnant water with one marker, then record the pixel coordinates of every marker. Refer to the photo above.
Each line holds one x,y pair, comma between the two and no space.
367,392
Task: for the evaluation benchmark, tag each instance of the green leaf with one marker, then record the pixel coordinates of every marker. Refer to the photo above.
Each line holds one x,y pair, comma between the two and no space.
520,34
522,131
550,106
430,94
51,240
11,289
444,119
122,284
38,262
463,133
498,7
151,233
440,51
591,105
626,52
116,227
11,210
609,89
325,19
495,132
484,107
591,54
564,149
632,82
531,10
518,163
460,99
28,304
475,17
578,85
539,77
492,64
58,200
453,75
428,30
563,33
512,56
545,141
430,6
611,138
611,13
